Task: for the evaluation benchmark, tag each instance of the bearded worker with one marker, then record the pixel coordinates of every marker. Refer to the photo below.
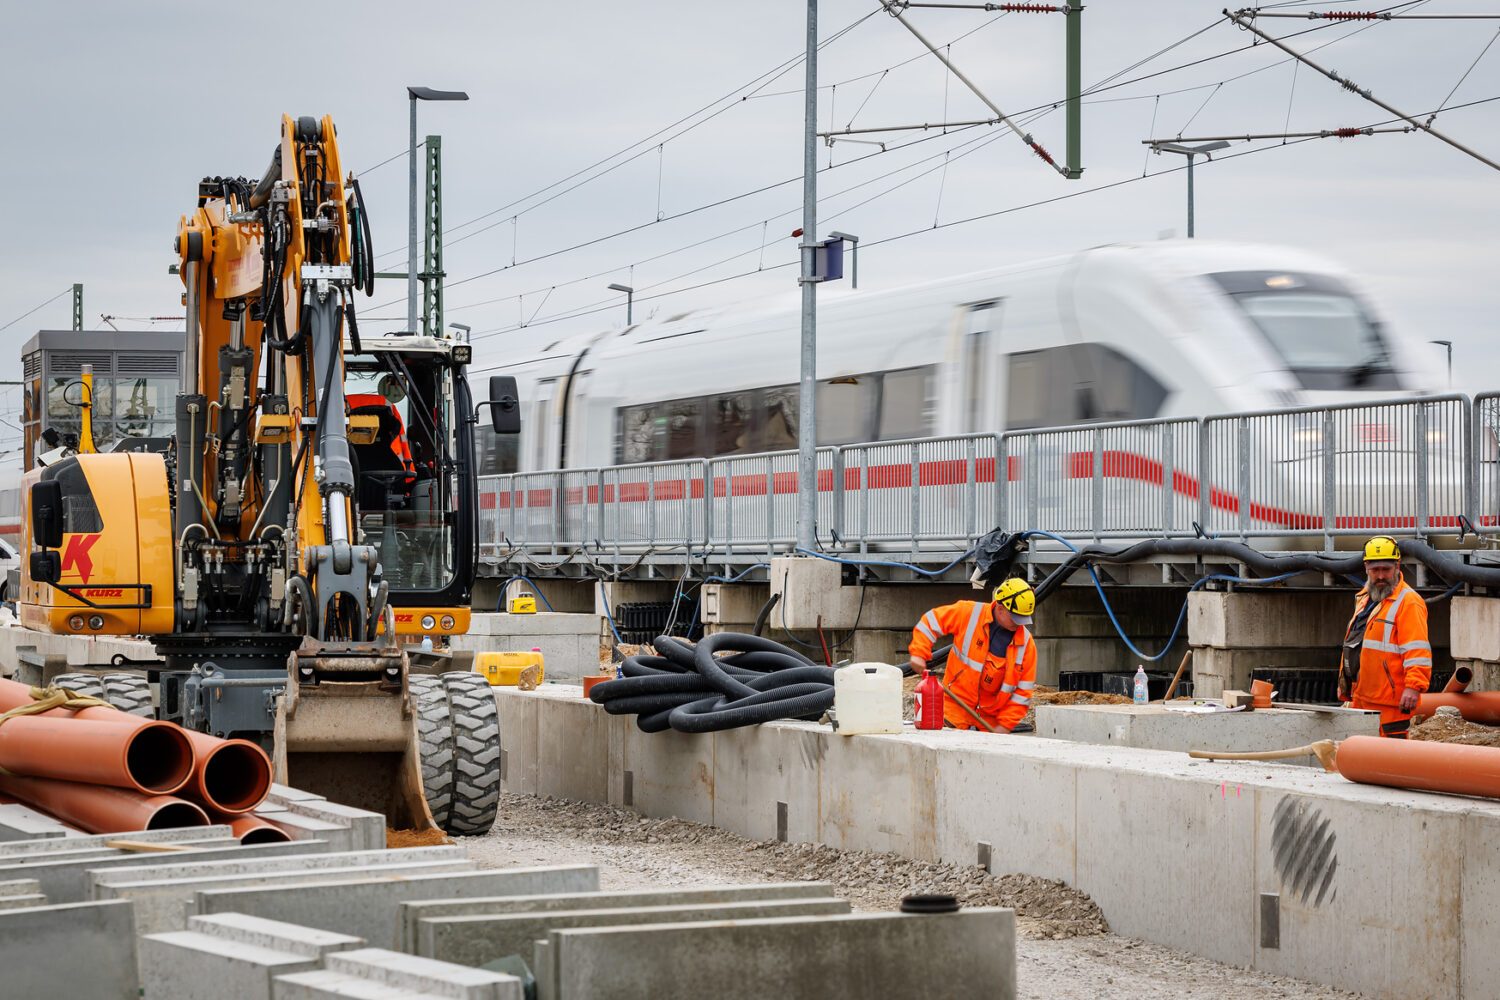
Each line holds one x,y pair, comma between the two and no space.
1386,657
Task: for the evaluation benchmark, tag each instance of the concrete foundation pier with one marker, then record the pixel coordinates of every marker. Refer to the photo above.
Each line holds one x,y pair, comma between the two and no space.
1475,631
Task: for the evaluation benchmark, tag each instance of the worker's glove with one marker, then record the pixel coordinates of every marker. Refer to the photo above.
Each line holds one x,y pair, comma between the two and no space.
1409,700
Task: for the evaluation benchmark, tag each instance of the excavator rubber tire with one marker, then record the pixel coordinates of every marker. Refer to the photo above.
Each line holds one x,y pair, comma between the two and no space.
476,757
435,731
89,685
129,693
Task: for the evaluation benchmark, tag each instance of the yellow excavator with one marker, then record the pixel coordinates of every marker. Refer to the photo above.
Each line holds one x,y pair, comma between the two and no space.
315,510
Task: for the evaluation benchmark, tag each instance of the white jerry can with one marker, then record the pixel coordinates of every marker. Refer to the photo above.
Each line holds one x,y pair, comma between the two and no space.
867,698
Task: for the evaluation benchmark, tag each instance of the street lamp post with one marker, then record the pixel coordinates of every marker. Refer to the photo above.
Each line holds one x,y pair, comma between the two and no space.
629,300
462,328
1449,345
853,256
416,94
1206,149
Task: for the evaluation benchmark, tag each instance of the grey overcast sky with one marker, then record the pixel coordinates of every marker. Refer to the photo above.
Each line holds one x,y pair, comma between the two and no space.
115,110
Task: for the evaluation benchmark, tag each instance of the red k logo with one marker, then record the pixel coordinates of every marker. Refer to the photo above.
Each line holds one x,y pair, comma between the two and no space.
76,555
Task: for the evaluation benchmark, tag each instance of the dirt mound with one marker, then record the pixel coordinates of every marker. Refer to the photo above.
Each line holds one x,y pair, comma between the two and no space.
414,838
1455,729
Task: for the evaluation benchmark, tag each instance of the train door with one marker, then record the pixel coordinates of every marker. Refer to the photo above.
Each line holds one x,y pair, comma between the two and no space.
543,451
973,401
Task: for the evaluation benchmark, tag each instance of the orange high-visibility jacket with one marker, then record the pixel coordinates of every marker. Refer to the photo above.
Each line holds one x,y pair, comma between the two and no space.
999,687
1395,653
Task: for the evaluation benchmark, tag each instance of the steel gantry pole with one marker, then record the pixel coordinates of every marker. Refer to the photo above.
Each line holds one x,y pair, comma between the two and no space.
807,424
411,219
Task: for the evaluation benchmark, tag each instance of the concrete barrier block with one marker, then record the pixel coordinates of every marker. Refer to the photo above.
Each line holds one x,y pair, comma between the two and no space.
518,713
368,907
1344,909
366,829
65,877
338,836
1263,620
19,887
672,774
475,940
309,942
264,863
183,965
426,976
766,803
876,794
1153,727
572,748
22,902
420,909
100,841
1475,628
36,945
283,794
1479,916
851,957
1025,808
1187,897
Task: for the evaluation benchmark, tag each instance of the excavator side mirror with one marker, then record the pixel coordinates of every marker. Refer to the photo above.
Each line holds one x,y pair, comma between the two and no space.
46,566
505,404
47,514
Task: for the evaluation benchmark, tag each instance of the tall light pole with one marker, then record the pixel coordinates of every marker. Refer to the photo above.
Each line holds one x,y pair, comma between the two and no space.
1449,345
416,94
1206,149
629,300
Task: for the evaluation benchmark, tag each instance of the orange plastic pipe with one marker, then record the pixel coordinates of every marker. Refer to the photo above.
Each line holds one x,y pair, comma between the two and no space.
14,695
1434,767
1460,680
100,809
231,776
154,758
1476,706
254,830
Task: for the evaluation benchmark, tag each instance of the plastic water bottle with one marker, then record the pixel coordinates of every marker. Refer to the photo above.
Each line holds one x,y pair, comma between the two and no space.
1141,685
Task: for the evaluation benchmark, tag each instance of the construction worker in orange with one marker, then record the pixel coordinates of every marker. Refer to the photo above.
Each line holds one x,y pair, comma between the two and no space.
991,669
1386,660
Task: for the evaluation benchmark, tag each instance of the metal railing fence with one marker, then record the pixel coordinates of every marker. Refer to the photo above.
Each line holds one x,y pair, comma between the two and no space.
1427,466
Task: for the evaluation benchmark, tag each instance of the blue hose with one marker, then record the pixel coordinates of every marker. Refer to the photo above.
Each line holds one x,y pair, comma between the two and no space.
500,601
884,562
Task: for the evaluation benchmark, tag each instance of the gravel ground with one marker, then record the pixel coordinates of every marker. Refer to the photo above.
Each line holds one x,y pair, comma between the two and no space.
1064,951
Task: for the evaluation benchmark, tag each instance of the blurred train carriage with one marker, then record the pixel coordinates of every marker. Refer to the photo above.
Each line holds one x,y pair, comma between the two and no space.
1079,381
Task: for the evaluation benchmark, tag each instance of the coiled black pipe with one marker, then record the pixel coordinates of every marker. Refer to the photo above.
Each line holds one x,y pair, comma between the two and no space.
726,681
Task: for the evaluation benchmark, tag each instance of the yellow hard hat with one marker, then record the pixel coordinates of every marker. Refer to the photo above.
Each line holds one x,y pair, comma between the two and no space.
1381,548
1017,597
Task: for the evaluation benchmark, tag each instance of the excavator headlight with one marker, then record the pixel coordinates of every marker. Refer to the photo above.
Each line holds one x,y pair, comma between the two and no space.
96,622
463,354
447,622
428,623
76,623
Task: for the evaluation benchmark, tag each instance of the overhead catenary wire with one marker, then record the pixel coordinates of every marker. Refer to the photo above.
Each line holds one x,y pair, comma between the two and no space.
33,309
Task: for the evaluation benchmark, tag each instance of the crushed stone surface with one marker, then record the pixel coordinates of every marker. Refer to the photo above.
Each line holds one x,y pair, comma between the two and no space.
1063,950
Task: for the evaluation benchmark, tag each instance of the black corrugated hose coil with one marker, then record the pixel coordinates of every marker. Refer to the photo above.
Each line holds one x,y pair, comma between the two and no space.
692,689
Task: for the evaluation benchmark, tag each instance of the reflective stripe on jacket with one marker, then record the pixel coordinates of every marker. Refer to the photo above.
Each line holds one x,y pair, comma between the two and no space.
1395,653
1000,687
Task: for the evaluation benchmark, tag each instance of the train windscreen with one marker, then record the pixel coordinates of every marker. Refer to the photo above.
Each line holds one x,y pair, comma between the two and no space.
1316,326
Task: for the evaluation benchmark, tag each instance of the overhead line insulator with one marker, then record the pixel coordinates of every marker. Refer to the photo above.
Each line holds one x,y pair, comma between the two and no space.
1350,15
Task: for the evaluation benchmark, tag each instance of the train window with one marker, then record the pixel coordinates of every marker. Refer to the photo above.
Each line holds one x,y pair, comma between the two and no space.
905,404
683,427
779,418
733,430
1078,383
845,409
495,454
636,441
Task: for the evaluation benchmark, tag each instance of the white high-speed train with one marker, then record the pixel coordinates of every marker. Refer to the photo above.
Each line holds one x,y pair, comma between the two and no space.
1131,331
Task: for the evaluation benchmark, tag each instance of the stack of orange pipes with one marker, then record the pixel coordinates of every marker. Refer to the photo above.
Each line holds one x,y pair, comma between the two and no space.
108,771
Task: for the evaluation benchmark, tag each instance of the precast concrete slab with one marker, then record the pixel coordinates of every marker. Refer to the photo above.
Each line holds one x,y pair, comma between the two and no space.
22,902
71,950
310,942
1153,727
425,975
66,879
1240,850
100,841
184,965
163,905
475,939
421,909
19,822
257,862
971,953
19,887
369,907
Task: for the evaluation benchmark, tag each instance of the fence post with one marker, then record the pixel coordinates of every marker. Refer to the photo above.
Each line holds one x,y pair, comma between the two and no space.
1242,474
1470,453
838,490
1424,509
1029,479
771,507
1328,440
864,500
651,505
1002,479
708,502
971,496
1098,484
916,498
1168,477
1205,476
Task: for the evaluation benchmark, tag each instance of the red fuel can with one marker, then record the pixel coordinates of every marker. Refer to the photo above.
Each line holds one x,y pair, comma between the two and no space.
927,703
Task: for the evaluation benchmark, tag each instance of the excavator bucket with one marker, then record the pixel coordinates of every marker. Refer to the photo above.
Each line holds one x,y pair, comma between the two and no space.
346,729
